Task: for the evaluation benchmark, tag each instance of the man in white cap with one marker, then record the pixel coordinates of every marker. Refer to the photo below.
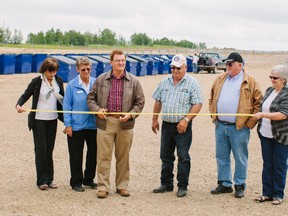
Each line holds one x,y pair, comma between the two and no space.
179,96
233,92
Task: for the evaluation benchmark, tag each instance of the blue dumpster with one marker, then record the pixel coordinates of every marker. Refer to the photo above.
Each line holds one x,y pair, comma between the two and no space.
93,67
167,62
67,67
142,68
189,64
152,67
7,63
23,63
37,60
132,65
103,64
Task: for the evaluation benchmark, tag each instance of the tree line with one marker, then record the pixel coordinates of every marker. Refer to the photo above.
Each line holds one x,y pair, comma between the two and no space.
9,37
103,37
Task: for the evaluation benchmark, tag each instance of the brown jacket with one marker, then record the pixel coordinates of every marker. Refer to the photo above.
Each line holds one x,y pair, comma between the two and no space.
133,98
250,98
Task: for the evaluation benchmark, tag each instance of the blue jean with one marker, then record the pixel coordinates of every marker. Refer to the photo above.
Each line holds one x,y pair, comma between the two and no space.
229,138
274,171
195,65
171,139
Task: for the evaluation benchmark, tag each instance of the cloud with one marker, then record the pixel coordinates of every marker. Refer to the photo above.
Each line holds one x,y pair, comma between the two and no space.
243,25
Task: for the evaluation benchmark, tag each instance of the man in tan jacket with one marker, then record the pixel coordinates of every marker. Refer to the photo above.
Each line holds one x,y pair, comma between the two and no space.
238,93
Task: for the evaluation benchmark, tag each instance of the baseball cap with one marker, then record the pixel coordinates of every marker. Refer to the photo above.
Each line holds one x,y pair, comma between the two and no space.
235,57
178,60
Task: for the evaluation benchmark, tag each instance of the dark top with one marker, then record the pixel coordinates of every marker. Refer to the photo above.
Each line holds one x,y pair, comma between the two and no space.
34,89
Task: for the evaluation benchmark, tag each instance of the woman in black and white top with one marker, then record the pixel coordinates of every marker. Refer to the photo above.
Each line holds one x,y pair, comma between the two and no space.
47,91
273,134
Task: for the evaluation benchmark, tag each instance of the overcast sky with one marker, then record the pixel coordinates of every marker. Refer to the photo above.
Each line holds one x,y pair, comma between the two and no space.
241,24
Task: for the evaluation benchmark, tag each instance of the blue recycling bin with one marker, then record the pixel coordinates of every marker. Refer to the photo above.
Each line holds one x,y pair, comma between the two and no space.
93,66
23,63
142,66
189,63
103,64
37,60
7,63
167,62
67,67
132,65
152,67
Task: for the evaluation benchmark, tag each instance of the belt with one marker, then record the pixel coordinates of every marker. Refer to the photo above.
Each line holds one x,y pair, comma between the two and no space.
115,115
226,123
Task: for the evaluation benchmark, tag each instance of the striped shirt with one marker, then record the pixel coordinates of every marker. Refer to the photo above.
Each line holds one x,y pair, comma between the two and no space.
116,93
177,99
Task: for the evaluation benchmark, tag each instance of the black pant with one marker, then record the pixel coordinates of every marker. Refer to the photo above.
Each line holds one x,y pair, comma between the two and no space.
75,147
44,134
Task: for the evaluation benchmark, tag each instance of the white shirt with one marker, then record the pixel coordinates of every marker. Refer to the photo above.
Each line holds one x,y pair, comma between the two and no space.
265,129
85,87
47,104
195,59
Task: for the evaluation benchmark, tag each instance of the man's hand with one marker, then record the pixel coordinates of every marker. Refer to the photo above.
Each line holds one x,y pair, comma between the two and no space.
155,126
125,118
103,113
182,126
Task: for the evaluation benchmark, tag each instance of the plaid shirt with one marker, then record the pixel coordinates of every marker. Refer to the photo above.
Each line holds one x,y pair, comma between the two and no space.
179,98
116,94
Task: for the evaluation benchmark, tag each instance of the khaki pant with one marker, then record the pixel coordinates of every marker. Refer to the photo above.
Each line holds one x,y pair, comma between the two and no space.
106,139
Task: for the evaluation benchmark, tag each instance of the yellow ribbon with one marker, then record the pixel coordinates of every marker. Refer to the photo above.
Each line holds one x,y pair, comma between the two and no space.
143,113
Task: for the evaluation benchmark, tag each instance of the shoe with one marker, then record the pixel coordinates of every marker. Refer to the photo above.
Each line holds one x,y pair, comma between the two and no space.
79,188
123,192
277,201
181,192
221,189
43,187
92,185
163,188
239,191
263,199
102,194
53,185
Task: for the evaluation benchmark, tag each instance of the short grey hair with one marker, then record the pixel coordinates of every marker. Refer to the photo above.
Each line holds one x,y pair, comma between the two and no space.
83,60
281,71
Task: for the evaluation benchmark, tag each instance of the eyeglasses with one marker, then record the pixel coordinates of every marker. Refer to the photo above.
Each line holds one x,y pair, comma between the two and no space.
119,60
173,68
84,69
229,64
274,78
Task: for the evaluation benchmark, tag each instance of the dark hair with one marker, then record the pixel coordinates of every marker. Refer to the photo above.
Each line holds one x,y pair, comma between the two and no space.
50,64
116,52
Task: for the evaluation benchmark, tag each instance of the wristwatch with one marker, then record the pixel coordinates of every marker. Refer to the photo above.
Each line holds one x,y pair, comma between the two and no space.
186,119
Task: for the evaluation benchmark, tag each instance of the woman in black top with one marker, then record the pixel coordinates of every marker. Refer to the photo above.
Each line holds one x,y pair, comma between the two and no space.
47,91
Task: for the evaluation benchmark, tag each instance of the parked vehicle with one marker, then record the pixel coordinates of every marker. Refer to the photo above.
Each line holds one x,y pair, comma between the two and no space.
210,62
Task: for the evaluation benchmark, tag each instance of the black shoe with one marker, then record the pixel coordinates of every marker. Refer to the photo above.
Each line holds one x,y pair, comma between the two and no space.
92,185
221,189
78,188
181,192
239,191
163,188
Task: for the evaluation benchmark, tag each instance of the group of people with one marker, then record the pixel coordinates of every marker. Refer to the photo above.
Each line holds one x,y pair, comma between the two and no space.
116,97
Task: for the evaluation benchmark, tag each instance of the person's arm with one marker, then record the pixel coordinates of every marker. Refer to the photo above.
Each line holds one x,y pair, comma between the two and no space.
276,116
25,96
155,123
67,106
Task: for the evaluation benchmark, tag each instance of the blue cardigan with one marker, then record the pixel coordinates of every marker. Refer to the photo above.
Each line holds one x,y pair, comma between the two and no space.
75,100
